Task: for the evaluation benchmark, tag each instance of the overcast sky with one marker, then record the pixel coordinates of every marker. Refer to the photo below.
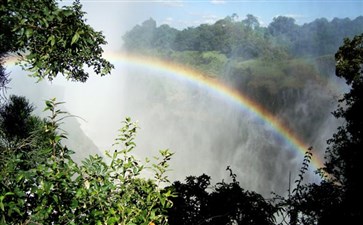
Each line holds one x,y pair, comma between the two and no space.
115,17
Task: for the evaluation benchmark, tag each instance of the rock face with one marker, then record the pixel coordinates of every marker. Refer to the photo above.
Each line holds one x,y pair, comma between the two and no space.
78,141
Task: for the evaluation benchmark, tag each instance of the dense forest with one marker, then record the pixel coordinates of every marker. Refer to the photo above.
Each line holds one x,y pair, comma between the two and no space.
269,64
40,183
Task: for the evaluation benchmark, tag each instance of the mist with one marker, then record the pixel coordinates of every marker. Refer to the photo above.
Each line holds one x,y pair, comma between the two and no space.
206,132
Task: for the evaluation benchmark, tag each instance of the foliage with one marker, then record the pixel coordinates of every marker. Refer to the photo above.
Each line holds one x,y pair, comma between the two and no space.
318,38
275,85
227,36
282,25
197,202
50,39
344,155
246,38
21,133
148,35
4,76
15,117
58,191
210,63
290,208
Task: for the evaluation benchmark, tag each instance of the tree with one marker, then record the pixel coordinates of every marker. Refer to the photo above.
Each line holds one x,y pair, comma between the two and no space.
224,33
4,76
282,25
197,202
15,118
51,40
345,152
285,31
164,37
251,21
21,133
140,37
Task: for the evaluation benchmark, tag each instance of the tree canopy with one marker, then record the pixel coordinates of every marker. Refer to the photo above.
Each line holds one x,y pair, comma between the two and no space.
246,38
51,40
198,202
345,153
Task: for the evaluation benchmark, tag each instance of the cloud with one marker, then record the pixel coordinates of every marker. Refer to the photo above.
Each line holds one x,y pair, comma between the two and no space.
190,19
291,15
295,16
168,21
209,18
203,18
217,2
173,3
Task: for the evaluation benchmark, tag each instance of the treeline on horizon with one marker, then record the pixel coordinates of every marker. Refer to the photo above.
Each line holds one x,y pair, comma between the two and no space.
246,38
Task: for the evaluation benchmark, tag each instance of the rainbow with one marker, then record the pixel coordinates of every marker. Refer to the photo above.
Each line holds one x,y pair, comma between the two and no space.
182,72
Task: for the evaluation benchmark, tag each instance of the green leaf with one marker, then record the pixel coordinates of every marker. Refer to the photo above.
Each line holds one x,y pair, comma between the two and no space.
75,38
74,204
46,24
67,12
16,209
112,220
51,39
22,21
1,203
19,177
28,32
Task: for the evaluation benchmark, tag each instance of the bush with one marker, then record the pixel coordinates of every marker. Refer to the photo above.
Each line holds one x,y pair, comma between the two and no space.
58,191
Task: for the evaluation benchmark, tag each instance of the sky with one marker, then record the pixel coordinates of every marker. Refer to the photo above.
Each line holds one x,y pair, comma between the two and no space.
115,17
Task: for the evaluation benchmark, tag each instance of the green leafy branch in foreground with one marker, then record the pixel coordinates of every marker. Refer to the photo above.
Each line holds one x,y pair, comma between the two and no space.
52,39
291,208
58,191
